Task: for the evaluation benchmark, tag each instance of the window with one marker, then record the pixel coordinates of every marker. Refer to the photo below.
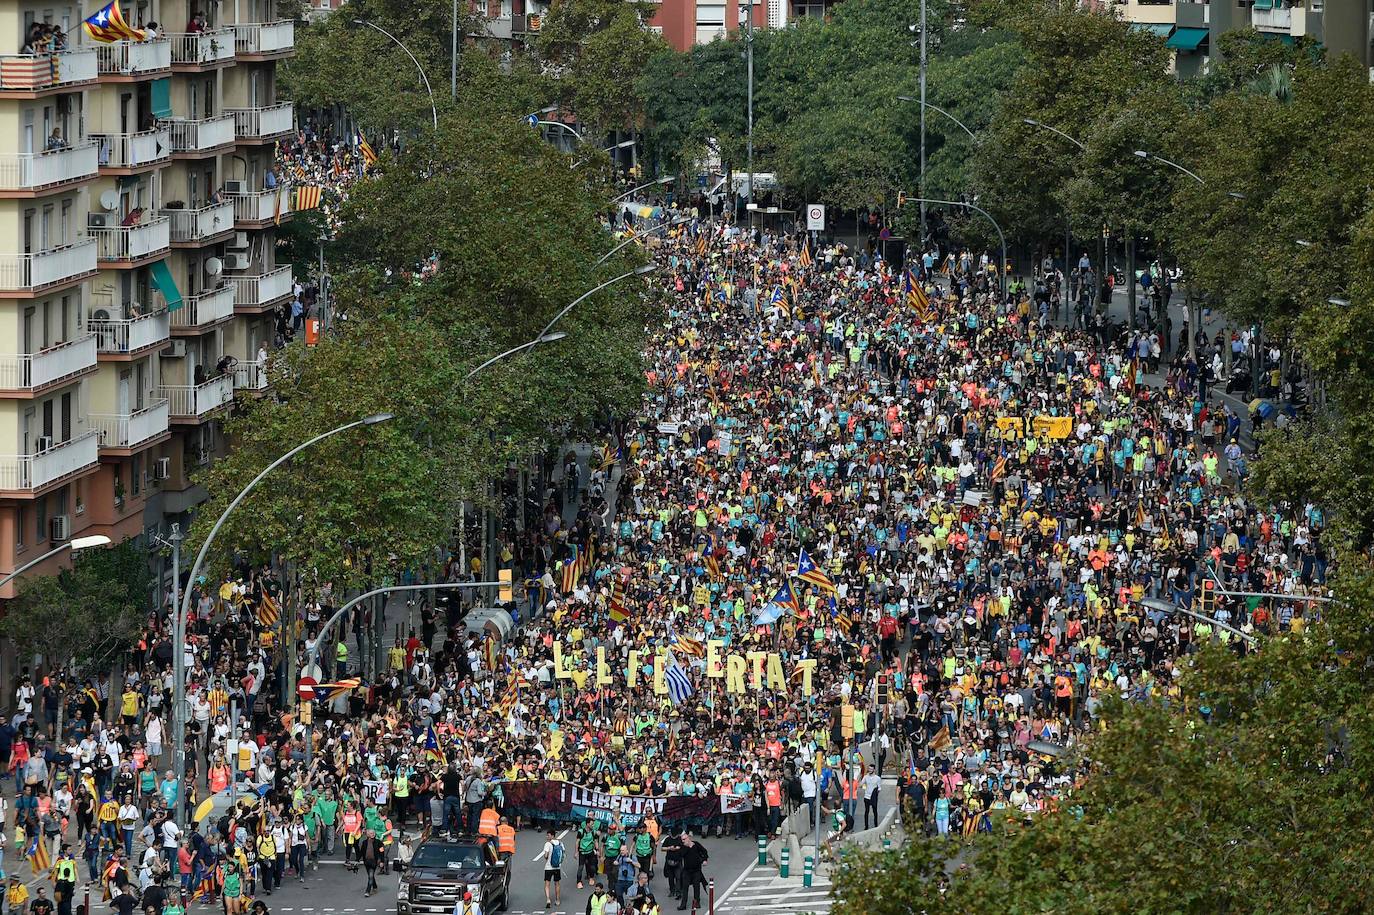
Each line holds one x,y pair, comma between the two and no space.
40,517
19,529
79,494
136,474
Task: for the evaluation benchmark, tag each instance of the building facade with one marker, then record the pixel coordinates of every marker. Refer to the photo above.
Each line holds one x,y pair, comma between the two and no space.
137,260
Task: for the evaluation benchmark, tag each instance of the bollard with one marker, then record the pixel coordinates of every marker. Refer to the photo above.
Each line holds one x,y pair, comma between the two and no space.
711,896
785,865
807,867
763,849
887,843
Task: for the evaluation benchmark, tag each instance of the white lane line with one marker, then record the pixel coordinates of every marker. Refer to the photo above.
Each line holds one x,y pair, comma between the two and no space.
744,875
780,896
559,838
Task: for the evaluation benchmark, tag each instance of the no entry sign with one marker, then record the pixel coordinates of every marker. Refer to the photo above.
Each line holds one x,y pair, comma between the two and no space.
306,687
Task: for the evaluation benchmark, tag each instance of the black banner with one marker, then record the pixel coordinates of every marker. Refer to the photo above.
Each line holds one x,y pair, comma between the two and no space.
569,803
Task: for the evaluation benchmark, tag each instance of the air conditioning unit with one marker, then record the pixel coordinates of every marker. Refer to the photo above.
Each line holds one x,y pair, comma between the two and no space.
176,349
61,527
235,187
162,469
204,456
240,240
44,443
99,220
234,260
102,314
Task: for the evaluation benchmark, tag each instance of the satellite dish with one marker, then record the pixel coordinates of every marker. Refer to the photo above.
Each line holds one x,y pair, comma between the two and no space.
109,200
213,266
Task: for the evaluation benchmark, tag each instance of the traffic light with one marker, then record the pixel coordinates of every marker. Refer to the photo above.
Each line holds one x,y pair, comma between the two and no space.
507,589
847,721
882,694
901,199
1208,599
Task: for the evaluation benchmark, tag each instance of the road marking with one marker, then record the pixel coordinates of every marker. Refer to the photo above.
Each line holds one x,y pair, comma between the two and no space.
744,875
558,838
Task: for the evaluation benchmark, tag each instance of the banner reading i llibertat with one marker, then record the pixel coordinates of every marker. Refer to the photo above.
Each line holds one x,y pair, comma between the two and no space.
570,803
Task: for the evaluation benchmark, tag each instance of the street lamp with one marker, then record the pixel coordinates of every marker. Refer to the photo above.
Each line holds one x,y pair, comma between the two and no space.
1338,301
1068,237
576,136
76,545
1001,267
1168,608
623,144
666,179
312,658
908,98
184,611
542,338
434,111
654,231
638,271
1032,122
1142,154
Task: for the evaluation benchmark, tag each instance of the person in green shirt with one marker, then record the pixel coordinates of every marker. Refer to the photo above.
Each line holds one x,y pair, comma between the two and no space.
327,812
588,834
611,847
644,850
232,891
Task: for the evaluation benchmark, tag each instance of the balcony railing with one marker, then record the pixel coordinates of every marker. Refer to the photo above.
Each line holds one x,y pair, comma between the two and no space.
29,72
264,37
205,222
132,334
205,309
34,471
35,370
260,123
1272,20
130,58
249,376
27,171
131,243
261,206
193,400
47,268
130,150
129,430
202,48
204,134
258,291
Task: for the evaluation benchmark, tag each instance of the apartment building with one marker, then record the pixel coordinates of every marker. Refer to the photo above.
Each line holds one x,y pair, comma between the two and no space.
1190,28
137,260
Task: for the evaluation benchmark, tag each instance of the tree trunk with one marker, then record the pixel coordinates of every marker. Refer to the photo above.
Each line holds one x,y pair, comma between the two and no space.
1130,279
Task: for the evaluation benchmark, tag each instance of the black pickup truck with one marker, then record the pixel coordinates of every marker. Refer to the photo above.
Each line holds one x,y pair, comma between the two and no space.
441,870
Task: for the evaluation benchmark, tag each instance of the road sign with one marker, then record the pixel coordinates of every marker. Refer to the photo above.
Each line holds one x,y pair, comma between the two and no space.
532,120
306,687
815,217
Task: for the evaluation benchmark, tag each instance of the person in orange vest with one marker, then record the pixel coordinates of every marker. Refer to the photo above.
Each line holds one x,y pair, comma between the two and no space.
488,822
352,830
1063,693
849,788
505,839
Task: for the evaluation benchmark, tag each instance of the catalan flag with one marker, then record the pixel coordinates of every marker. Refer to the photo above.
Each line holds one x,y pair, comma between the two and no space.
843,621
308,196
916,297
572,568
508,701
365,150
999,469
692,647
701,465
713,567
331,691
806,260
701,244
269,611
809,572
610,456
39,857
433,751
618,611
108,24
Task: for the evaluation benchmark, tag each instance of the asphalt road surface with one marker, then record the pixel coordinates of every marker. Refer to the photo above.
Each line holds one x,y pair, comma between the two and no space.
333,890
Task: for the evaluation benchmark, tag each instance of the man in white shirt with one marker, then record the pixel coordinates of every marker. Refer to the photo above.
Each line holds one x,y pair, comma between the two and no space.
171,839
869,787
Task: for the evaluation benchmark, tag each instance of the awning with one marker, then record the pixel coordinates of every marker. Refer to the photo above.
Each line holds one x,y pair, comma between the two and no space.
1186,38
162,279
161,96
1162,29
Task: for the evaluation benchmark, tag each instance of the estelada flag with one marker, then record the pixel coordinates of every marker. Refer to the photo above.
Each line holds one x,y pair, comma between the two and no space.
269,611
365,150
806,260
108,24
432,749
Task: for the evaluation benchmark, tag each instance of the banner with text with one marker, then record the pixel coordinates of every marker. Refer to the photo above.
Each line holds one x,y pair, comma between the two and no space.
569,803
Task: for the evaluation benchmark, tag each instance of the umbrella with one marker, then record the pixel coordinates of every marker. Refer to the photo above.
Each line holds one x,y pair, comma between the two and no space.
203,809
1263,407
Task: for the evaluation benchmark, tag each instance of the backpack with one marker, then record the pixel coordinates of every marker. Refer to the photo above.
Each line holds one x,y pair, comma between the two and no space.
556,855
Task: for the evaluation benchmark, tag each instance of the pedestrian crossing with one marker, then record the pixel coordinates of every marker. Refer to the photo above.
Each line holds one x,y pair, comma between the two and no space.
764,892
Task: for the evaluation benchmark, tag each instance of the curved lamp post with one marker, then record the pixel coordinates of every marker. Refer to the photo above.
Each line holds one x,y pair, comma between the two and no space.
184,610
666,179
908,98
638,271
1002,267
423,78
1149,156
542,338
1068,241
1164,606
654,231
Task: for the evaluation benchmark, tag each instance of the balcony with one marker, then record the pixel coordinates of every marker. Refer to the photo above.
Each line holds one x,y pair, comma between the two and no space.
46,170
32,371
34,73
57,462
193,401
1277,19
262,123
251,377
203,136
135,59
256,292
131,335
35,272
134,150
129,244
195,227
204,310
125,431
258,209
260,39
193,50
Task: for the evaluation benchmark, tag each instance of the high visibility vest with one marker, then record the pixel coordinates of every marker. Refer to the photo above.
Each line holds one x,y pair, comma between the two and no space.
66,870
400,786
597,903
352,822
487,824
505,839
267,848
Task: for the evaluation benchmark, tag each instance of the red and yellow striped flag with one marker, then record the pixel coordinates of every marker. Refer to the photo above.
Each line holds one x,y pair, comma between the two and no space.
308,196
